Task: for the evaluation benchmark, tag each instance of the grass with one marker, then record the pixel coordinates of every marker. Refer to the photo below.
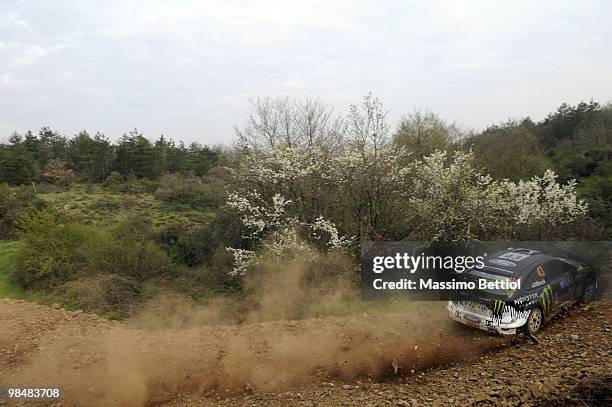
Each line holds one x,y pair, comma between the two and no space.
95,204
8,288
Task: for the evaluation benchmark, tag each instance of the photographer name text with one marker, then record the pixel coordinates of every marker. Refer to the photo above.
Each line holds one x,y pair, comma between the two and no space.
430,284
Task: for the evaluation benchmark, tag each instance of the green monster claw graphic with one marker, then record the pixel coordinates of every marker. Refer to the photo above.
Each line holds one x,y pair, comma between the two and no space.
546,298
497,306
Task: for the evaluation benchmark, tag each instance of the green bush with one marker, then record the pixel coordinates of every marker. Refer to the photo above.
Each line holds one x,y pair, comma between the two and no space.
14,202
191,191
130,185
52,251
105,293
135,252
114,178
191,246
136,227
133,185
137,259
204,282
56,250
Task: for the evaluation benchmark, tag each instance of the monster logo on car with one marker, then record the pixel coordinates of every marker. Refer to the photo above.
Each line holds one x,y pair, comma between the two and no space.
497,306
546,298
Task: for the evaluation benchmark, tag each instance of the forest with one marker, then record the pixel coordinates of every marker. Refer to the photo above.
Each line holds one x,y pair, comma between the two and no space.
105,225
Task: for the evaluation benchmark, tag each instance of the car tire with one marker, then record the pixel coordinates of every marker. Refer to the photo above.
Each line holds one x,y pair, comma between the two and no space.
535,320
588,292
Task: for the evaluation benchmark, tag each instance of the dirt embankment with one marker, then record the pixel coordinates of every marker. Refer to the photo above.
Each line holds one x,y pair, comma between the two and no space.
414,358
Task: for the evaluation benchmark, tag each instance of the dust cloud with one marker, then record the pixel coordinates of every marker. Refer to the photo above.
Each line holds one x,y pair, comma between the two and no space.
296,324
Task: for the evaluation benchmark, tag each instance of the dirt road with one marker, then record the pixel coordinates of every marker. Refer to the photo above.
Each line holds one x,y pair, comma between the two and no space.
413,358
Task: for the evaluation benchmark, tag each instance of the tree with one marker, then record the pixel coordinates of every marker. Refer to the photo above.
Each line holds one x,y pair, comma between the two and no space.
448,199
162,154
286,195
574,141
369,169
16,164
51,145
510,150
282,120
422,133
91,158
32,145
566,121
200,159
452,200
57,172
135,156
14,202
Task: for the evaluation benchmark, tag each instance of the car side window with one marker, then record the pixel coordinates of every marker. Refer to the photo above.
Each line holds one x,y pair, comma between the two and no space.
568,268
554,270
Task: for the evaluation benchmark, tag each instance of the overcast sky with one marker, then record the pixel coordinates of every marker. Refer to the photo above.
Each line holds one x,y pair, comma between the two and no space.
186,69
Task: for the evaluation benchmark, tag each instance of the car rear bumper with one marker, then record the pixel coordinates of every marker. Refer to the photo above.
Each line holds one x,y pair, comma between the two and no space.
506,325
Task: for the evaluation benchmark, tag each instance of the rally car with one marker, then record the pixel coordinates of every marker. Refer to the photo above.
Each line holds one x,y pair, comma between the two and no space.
548,285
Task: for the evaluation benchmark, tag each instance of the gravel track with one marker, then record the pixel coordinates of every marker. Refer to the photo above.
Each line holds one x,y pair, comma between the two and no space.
316,362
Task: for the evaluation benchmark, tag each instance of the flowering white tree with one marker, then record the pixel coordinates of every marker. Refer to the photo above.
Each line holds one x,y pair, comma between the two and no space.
449,199
452,200
305,190
543,200
275,231
291,193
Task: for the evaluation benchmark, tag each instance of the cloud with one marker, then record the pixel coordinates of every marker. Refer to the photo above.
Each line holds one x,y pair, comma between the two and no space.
186,69
12,20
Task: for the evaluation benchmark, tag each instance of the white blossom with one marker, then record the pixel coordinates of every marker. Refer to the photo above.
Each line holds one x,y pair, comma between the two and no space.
543,200
328,228
289,195
242,260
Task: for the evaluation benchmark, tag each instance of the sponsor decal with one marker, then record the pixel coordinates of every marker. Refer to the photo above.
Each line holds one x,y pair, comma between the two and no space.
502,309
538,283
540,271
526,299
514,256
497,306
546,298
499,309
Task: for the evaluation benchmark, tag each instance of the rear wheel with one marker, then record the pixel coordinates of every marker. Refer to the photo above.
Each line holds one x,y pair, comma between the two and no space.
534,321
588,292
